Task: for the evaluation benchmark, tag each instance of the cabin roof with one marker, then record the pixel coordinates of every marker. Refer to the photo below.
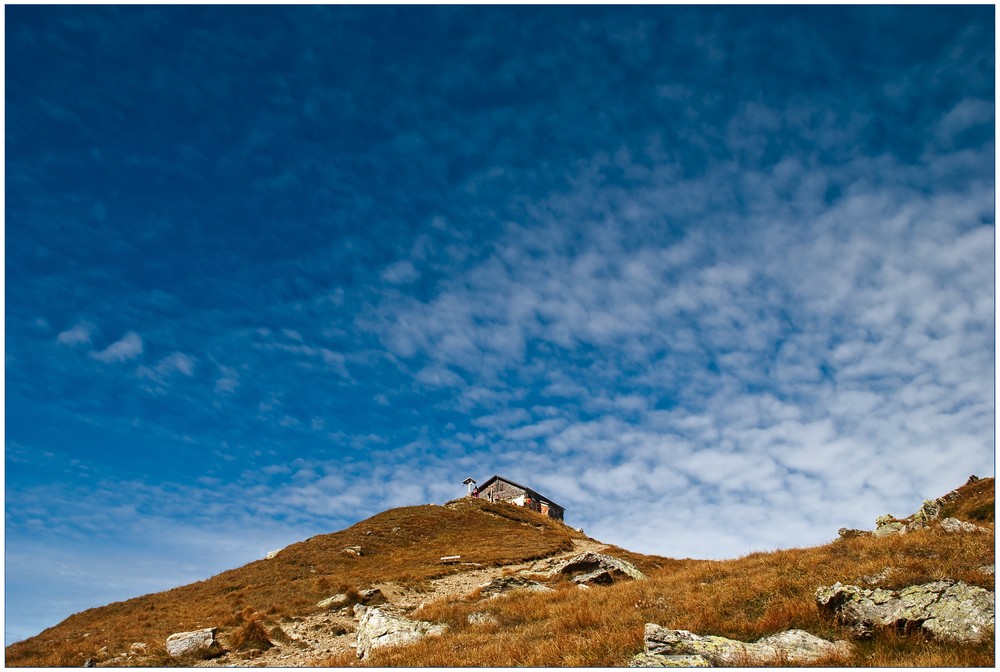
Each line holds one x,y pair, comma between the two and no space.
532,491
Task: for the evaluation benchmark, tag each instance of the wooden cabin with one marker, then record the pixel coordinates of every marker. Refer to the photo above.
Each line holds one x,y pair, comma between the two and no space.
500,489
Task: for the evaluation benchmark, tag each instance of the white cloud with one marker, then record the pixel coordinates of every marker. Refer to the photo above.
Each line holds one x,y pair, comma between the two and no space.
228,380
77,335
176,362
400,273
129,347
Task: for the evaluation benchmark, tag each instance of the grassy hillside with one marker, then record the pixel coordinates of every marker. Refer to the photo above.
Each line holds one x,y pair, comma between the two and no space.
744,598
400,545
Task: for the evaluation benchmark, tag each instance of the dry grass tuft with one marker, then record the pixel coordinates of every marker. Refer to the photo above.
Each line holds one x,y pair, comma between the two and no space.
250,635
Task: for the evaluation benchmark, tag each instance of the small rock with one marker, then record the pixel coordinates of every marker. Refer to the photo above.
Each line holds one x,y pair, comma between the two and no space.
89,663
953,525
372,596
196,642
138,647
848,533
272,554
335,602
887,524
354,550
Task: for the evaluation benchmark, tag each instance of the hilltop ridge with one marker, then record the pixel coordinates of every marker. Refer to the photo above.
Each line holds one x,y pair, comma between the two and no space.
269,612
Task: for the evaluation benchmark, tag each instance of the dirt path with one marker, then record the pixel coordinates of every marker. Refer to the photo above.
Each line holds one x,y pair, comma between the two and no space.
322,635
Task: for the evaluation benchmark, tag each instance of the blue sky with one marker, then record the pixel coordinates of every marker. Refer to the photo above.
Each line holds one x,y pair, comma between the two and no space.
715,279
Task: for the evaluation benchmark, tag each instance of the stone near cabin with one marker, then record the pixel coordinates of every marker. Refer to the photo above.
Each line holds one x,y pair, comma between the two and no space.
195,642
946,610
792,646
379,628
596,569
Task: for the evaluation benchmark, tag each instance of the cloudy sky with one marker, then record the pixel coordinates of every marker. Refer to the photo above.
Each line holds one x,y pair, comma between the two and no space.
716,280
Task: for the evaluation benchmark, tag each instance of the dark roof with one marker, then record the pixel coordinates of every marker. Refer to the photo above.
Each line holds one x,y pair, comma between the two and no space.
495,477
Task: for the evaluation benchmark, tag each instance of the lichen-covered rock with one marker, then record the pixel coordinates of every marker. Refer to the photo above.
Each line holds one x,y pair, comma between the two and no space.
848,533
379,628
887,524
652,660
506,584
929,510
597,568
953,525
793,646
197,642
946,610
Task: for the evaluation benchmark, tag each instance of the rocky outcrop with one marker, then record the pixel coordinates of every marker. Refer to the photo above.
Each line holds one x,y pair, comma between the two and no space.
379,628
946,610
849,533
680,648
888,524
506,584
955,525
196,643
596,568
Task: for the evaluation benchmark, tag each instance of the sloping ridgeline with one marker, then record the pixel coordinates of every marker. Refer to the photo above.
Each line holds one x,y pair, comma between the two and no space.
401,545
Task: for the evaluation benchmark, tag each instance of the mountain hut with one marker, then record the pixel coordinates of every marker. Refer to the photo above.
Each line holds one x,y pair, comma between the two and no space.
500,489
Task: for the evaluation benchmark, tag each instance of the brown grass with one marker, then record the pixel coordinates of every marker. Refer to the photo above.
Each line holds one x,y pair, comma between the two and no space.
745,598
400,545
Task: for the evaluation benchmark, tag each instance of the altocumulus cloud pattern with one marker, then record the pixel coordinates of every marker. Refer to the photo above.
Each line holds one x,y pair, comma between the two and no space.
716,279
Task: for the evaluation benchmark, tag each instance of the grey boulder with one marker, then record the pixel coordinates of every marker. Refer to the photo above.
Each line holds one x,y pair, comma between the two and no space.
596,568
506,584
792,646
197,642
379,628
946,610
